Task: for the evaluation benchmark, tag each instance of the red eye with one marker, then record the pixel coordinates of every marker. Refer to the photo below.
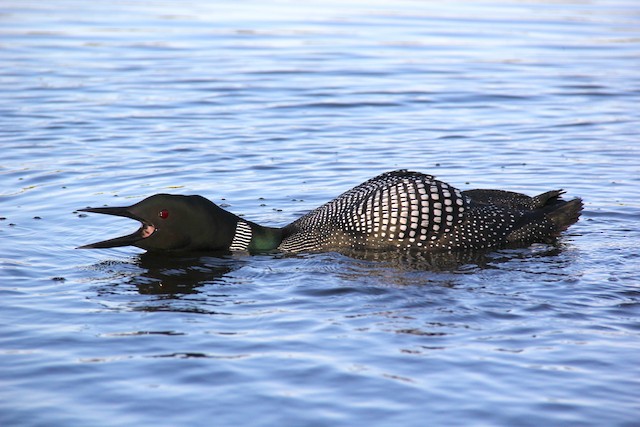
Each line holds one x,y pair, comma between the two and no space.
164,214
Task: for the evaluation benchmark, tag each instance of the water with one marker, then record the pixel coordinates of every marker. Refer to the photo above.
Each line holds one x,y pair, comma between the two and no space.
270,109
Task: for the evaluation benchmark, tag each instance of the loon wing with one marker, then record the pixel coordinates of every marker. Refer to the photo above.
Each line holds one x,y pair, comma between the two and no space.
399,208
510,199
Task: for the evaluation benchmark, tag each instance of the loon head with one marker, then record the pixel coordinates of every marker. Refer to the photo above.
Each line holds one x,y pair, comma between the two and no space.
172,223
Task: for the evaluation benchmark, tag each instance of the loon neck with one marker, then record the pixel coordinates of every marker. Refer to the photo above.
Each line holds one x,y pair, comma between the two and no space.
253,237
228,231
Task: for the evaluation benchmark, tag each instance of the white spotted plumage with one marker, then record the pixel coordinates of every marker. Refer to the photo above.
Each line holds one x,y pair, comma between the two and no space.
403,209
395,209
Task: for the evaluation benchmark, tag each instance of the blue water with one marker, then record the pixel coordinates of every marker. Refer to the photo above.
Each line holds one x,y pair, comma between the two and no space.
271,109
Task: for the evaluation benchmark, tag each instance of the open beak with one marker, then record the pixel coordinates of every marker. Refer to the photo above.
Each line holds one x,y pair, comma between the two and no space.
146,230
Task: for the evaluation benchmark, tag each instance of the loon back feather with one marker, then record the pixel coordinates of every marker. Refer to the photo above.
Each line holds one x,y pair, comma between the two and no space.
412,210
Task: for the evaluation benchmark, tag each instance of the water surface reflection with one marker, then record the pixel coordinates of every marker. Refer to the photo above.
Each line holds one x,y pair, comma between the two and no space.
179,275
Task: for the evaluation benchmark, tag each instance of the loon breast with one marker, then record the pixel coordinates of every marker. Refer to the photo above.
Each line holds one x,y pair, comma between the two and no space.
394,209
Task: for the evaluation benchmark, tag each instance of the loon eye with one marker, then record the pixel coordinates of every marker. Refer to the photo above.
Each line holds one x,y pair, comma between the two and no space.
164,214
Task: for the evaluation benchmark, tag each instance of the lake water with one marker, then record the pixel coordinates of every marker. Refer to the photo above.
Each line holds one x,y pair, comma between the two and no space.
270,109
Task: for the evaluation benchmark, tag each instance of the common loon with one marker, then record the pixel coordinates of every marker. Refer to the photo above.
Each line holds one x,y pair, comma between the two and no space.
398,209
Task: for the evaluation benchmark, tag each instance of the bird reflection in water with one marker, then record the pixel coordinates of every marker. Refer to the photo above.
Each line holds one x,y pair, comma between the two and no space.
171,274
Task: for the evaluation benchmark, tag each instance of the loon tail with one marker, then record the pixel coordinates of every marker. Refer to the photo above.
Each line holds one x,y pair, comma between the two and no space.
566,214
550,198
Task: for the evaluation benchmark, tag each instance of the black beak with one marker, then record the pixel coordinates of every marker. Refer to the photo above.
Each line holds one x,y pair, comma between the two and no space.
128,240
